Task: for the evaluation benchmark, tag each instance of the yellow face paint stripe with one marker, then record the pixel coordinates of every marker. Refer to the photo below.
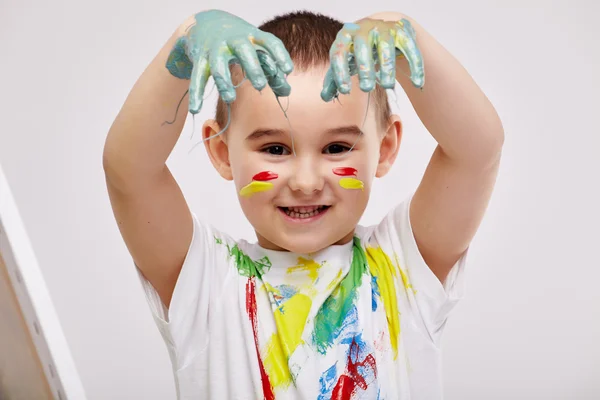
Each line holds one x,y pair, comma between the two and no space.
351,183
255,187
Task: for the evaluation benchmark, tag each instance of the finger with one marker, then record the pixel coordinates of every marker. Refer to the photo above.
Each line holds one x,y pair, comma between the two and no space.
275,76
338,56
330,89
276,49
245,52
219,69
405,39
200,74
363,56
386,54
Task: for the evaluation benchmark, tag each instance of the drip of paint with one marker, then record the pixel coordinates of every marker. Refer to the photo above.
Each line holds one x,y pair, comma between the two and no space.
255,187
265,176
251,309
351,183
345,171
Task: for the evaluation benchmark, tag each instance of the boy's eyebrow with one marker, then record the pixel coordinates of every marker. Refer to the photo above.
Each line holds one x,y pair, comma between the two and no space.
350,130
258,133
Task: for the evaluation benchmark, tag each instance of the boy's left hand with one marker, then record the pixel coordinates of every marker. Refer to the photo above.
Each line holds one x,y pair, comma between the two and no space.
361,46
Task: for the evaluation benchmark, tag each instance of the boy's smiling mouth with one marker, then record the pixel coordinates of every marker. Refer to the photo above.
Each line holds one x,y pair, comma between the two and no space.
305,213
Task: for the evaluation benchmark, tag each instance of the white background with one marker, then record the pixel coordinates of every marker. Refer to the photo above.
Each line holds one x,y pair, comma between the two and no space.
530,325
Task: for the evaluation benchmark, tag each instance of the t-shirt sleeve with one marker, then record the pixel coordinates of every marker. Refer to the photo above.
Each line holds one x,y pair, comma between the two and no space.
430,300
184,325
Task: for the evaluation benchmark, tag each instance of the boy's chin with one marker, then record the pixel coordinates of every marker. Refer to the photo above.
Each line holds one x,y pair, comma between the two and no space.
307,243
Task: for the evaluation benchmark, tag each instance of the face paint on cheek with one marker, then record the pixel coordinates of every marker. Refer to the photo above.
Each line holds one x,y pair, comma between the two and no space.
265,176
349,183
352,183
258,183
345,171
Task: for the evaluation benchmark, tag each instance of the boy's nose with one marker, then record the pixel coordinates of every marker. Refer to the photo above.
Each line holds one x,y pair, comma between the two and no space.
307,177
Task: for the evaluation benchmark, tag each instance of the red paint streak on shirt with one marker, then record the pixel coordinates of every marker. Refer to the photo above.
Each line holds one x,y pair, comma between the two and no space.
343,388
265,176
345,171
251,310
347,383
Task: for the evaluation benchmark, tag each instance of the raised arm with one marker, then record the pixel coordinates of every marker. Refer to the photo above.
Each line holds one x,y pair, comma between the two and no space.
148,205
454,193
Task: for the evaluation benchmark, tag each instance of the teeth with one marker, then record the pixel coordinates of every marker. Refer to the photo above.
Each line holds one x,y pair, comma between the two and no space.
303,212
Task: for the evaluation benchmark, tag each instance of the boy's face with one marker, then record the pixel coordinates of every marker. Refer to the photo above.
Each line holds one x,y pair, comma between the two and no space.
306,202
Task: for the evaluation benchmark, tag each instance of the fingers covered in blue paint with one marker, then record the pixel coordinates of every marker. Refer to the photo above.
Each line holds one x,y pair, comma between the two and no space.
330,89
405,41
338,57
275,76
386,53
245,53
214,42
199,77
274,46
363,56
369,48
219,68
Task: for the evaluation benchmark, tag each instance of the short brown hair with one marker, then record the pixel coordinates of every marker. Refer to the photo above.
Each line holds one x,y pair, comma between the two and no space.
308,36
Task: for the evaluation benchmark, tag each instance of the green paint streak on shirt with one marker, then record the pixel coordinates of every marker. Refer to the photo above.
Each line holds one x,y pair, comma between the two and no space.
247,266
330,318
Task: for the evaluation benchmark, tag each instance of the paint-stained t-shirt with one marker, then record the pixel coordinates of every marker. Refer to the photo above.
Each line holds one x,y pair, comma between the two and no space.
362,320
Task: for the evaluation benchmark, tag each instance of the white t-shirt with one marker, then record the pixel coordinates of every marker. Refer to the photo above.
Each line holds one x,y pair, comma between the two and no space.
361,320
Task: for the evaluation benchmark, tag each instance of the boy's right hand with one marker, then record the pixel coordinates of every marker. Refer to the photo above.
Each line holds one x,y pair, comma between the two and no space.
215,40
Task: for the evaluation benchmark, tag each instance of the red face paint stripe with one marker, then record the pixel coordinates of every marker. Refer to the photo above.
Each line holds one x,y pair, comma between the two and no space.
265,176
345,171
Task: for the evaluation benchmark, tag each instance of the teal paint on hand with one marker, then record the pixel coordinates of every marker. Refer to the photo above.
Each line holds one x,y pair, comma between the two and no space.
360,47
178,62
219,39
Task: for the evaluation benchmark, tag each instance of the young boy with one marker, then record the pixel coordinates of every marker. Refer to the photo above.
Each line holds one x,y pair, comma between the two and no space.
319,307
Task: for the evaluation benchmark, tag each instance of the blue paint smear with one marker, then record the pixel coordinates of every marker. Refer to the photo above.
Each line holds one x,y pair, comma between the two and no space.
327,382
374,293
348,329
287,291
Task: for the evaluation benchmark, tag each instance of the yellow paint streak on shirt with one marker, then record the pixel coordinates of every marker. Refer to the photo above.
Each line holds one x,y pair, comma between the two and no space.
290,319
271,289
306,265
255,187
351,183
335,281
382,268
405,281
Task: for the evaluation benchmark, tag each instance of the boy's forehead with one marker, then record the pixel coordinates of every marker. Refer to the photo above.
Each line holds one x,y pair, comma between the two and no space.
304,106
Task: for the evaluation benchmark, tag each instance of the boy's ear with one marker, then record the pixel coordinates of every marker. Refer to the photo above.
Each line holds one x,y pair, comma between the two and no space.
217,149
390,144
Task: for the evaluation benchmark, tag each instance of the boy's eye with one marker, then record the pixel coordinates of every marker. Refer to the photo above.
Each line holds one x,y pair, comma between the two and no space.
336,148
276,150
